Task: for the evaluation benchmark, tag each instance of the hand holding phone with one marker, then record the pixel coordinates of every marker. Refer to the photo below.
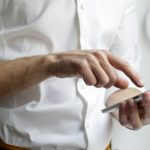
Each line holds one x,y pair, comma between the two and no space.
129,93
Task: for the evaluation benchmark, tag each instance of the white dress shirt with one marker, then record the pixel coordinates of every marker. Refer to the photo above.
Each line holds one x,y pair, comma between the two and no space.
62,114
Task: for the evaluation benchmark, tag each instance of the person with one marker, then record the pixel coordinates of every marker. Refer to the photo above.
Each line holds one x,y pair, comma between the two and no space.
60,60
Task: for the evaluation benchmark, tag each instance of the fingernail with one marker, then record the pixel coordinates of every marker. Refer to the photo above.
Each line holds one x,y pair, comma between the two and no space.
141,83
124,123
136,128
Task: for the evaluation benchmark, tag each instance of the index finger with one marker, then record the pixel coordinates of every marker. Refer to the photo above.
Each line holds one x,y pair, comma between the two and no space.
125,67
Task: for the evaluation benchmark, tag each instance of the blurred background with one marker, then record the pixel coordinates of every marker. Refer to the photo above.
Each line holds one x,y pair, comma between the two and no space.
124,139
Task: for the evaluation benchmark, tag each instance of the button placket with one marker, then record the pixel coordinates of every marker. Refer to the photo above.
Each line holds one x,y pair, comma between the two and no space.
83,4
82,15
87,125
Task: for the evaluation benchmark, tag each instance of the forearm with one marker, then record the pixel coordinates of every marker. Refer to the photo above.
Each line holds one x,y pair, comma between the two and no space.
95,67
18,74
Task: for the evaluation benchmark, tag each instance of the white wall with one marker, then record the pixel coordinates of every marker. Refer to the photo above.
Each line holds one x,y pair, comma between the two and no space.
142,8
124,139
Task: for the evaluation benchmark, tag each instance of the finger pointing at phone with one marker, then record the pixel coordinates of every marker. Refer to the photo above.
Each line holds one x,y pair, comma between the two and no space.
96,67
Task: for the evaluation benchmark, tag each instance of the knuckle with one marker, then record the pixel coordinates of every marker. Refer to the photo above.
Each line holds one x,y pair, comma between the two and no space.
125,64
98,85
102,83
83,64
99,53
96,52
93,82
123,122
136,126
83,71
107,86
105,81
90,57
113,79
102,54
87,82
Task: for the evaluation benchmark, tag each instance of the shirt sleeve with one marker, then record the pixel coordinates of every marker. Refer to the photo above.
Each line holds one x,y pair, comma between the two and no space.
126,42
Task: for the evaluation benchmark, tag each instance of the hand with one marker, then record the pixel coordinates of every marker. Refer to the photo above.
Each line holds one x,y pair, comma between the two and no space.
135,115
95,67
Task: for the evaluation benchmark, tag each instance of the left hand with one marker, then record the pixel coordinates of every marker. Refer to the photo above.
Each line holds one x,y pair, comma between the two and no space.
135,115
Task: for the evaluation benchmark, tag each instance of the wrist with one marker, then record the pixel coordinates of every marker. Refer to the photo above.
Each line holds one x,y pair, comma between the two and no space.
50,63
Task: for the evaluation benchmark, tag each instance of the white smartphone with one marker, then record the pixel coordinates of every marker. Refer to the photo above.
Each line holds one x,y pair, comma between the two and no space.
115,107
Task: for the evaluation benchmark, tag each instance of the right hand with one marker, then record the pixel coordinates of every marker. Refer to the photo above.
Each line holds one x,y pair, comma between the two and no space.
95,67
